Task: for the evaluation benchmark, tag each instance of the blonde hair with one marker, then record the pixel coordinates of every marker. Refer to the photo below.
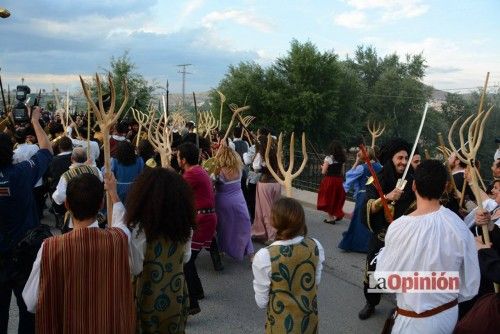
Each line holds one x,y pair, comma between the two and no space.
229,159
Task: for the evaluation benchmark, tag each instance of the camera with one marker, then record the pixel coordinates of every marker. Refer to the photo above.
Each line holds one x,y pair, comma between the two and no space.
20,111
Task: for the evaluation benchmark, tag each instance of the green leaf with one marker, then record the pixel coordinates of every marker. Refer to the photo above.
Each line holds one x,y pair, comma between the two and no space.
172,249
289,323
304,324
276,277
158,249
284,272
305,301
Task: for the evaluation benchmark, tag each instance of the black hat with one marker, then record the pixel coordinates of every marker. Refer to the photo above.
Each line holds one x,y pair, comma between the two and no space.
393,146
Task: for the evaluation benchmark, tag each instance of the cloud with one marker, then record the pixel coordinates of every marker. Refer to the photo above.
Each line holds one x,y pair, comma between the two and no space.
451,64
244,18
443,70
354,20
379,12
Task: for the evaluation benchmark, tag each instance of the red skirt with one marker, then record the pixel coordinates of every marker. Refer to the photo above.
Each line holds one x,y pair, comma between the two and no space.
331,196
204,232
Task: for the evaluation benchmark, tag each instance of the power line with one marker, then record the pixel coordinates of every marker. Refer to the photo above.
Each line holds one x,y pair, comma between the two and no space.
183,71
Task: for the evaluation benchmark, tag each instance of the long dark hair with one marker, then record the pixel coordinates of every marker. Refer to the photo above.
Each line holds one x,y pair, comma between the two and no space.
261,146
161,203
125,153
337,151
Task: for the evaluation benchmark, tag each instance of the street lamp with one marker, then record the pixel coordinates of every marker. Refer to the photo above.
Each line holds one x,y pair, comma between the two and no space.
4,13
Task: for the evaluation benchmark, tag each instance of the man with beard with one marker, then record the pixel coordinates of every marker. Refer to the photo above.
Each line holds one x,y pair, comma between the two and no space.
394,158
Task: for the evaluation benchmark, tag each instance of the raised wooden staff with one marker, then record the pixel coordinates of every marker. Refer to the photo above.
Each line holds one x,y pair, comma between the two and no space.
142,119
469,152
246,121
222,100
288,175
376,130
160,136
444,149
207,123
236,113
106,119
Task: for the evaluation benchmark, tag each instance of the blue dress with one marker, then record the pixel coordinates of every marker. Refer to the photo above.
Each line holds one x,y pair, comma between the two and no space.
356,238
125,175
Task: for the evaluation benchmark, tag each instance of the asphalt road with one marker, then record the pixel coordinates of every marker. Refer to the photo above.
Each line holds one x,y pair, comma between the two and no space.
229,305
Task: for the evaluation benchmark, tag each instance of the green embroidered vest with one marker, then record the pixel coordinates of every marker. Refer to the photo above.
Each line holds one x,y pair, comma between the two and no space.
161,291
78,170
292,304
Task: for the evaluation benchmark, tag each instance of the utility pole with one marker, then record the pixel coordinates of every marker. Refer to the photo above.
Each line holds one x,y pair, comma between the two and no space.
183,71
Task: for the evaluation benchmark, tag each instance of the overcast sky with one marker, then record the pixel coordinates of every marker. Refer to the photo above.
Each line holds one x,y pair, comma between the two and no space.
52,41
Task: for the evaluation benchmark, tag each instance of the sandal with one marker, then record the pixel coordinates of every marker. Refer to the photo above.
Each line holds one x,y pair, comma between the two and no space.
331,222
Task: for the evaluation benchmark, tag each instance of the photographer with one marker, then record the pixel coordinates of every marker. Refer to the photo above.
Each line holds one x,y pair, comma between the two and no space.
19,215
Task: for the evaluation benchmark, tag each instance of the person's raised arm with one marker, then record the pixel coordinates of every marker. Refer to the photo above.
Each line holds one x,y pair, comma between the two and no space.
41,136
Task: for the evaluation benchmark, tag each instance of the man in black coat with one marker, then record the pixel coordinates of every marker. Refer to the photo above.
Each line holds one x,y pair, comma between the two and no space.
394,158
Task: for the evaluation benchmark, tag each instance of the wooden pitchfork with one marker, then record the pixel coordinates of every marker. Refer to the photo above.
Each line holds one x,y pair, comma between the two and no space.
376,130
236,114
106,120
288,175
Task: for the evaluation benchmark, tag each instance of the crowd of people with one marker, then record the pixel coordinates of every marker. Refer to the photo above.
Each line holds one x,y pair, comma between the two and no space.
429,225
138,272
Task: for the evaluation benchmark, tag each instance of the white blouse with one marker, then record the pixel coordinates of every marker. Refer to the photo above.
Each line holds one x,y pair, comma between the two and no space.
261,267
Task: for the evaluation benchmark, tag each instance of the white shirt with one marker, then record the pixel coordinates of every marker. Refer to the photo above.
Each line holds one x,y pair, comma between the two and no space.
30,292
488,204
258,163
59,194
438,241
139,245
24,152
94,146
248,156
261,267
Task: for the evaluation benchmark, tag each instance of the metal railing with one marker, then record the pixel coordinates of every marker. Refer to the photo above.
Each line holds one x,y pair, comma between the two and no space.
311,177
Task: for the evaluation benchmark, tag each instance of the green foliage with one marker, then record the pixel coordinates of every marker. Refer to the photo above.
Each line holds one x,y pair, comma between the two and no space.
312,91
124,70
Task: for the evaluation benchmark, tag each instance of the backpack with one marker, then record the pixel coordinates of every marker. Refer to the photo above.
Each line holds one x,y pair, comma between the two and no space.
24,253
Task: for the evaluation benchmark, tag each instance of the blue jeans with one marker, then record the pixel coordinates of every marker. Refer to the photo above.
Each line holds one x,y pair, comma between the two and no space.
7,287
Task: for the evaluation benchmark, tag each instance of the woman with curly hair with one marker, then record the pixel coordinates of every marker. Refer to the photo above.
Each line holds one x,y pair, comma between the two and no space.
331,195
233,219
160,212
126,166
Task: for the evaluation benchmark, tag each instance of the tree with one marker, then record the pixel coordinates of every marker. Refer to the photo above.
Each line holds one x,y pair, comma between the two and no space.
121,69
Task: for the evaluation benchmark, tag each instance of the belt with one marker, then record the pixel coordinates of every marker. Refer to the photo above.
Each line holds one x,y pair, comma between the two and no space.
205,211
427,313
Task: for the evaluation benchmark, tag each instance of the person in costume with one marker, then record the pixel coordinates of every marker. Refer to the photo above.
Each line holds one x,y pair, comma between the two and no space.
119,135
356,238
268,191
233,220
126,166
331,195
394,158
484,315
490,216
78,167
433,239
161,214
80,281
18,215
206,220
253,175
287,273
